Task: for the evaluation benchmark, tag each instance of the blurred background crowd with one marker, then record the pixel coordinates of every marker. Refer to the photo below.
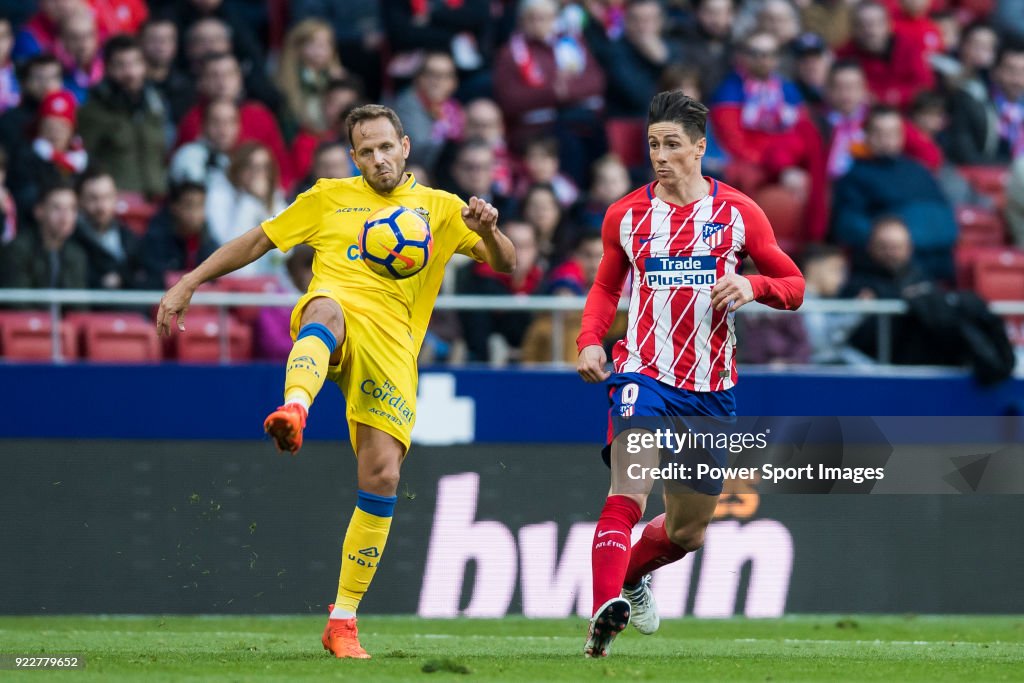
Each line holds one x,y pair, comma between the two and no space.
883,138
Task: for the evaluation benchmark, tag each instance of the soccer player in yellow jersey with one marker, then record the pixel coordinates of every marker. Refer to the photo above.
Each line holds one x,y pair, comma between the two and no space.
357,328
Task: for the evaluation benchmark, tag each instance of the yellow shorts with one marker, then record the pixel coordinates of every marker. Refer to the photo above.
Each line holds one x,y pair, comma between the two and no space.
376,375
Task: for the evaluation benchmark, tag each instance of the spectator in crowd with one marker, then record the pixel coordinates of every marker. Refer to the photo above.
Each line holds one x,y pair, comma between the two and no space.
124,123
762,123
551,84
221,78
1015,202
308,64
159,40
887,182
210,155
41,32
45,257
340,97
509,327
887,270
272,329
634,62
212,35
429,112
332,160
78,50
911,19
539,208
826,271
769,338
609,182
977,52
987,123
541,166
484,121
472,174
178,237
574,277
357,32
847,105
56,153
243,43
248,195
894,64
812,62
457,28
830,19
780,19
8,209
38,76
115,259
10,90
708,45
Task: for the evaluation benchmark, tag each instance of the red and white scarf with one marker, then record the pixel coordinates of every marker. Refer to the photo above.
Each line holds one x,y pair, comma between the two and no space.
71,161
765,107
1011,122
847,131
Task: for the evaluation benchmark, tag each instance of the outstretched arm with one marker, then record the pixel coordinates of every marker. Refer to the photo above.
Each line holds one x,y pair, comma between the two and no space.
236,254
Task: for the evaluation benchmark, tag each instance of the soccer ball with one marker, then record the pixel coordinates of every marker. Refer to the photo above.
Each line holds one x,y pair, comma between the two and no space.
396,242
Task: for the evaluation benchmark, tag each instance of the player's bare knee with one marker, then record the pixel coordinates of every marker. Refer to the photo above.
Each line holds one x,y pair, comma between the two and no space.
328,313
689,537
381,479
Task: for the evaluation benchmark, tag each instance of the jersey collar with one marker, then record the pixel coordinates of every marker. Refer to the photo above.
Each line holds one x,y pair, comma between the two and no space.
410,182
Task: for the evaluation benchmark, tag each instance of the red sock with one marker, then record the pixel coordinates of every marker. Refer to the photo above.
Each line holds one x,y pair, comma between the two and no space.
653,550
610,553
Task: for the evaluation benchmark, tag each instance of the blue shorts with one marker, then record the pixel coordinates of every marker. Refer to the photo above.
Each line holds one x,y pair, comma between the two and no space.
639,401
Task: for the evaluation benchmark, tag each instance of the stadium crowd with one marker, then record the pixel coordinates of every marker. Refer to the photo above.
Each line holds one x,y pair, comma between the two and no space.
883,138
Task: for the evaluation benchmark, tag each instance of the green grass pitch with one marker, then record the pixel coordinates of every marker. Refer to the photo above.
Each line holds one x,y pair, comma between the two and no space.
799,648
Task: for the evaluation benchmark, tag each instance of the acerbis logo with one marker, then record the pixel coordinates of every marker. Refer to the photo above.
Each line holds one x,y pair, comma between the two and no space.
370,552
304,363
351,209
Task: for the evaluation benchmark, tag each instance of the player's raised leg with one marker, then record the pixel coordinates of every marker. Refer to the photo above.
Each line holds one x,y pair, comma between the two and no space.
666,539
317,346
623,508
380,460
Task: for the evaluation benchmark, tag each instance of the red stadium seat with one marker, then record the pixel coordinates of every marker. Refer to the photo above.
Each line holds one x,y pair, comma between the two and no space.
627,139
26,335
785,213
135,211
966,255
264,284
980,227
1000,277
116,337
200,343
990,181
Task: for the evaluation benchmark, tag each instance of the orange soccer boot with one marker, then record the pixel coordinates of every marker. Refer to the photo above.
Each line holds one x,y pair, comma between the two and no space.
341,638
285,426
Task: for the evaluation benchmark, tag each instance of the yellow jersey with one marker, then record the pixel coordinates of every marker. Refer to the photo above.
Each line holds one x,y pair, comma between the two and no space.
329,217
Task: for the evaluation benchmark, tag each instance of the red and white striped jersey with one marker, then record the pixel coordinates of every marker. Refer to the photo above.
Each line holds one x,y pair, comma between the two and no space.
676,254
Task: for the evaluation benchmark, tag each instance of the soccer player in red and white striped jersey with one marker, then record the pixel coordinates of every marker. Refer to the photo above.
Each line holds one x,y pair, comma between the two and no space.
681,238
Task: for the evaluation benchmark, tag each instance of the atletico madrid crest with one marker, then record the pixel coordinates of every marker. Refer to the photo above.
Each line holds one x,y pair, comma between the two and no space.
712,234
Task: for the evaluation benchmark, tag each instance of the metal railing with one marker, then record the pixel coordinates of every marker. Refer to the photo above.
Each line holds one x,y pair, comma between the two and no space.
558,306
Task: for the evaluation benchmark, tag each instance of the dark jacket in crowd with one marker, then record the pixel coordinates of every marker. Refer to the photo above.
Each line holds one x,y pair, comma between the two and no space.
909,342
127,137
973,134
102,262
632,78
164,251
25,263
896,185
